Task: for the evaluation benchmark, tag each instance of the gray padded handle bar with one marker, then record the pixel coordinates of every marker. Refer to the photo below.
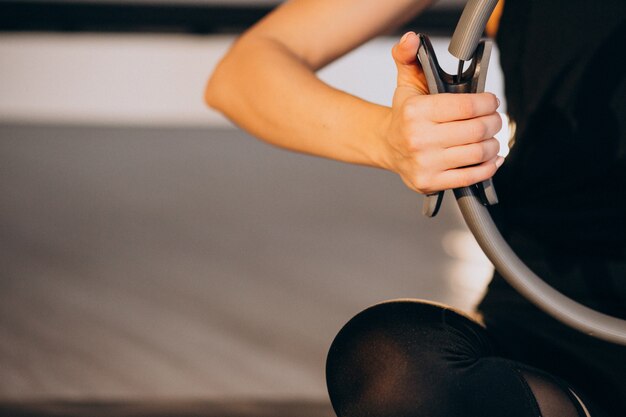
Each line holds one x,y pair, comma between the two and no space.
470,28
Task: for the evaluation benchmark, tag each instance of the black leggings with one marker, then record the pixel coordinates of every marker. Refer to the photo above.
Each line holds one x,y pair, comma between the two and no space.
409,358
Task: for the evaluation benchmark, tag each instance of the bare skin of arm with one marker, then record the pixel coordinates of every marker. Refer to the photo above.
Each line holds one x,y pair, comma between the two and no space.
266,84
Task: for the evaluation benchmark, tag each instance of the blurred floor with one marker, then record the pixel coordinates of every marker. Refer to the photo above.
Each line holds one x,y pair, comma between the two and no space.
161,408
182,263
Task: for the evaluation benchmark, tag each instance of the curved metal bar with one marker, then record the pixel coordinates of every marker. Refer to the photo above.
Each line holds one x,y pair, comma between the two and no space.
526,282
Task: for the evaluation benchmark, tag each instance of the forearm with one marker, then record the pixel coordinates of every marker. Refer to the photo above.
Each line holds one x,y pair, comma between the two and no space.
267,85
275,96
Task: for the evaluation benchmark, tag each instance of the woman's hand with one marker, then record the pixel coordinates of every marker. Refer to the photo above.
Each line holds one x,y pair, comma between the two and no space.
442,141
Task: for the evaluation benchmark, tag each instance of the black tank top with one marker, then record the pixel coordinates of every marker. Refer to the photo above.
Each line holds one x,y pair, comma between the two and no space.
563,186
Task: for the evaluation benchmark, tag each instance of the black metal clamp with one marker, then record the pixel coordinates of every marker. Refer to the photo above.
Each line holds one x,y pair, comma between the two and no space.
472,80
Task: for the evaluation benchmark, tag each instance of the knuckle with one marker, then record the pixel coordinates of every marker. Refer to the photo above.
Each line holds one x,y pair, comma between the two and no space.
414,145
486,172
492,169
494,123
478,129
489,100
495,101
418,137
464,179
466,107
498,122
479,152
422,162
415,100
495,143
422,183
440,106
469,178
406,112
414,142
409,110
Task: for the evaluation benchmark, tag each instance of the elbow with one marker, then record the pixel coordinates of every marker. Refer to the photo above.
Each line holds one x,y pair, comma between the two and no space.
228,87
209,94
213,91
225,90
223,85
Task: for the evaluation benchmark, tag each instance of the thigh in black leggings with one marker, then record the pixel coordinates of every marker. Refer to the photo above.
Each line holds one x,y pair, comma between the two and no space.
409,358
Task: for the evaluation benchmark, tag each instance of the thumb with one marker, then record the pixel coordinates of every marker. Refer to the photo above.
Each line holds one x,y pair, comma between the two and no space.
410,74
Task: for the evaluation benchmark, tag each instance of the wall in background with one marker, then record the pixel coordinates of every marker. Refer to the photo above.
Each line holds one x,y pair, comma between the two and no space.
148,80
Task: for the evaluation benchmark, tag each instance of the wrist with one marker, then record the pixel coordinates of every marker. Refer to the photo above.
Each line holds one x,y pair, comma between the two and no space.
380,152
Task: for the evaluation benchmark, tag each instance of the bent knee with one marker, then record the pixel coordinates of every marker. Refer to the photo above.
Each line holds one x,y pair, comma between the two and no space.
409,358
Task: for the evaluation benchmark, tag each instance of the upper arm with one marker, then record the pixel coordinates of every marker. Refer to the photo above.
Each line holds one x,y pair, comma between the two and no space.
319,31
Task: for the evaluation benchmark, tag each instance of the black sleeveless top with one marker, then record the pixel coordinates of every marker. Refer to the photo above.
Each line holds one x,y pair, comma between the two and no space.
563,187
564,182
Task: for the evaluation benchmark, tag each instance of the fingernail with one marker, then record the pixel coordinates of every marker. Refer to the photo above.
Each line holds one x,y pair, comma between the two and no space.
406,36
499,161
498,100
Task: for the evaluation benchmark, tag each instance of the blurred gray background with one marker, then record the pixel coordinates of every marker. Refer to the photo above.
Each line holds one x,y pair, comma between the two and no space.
150,249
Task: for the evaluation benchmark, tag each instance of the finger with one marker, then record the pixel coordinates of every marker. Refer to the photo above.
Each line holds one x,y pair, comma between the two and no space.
467,155
468,131
410,73
450,107
464,177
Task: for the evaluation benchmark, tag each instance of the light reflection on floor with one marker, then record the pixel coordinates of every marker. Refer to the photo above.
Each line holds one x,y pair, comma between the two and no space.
469,271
